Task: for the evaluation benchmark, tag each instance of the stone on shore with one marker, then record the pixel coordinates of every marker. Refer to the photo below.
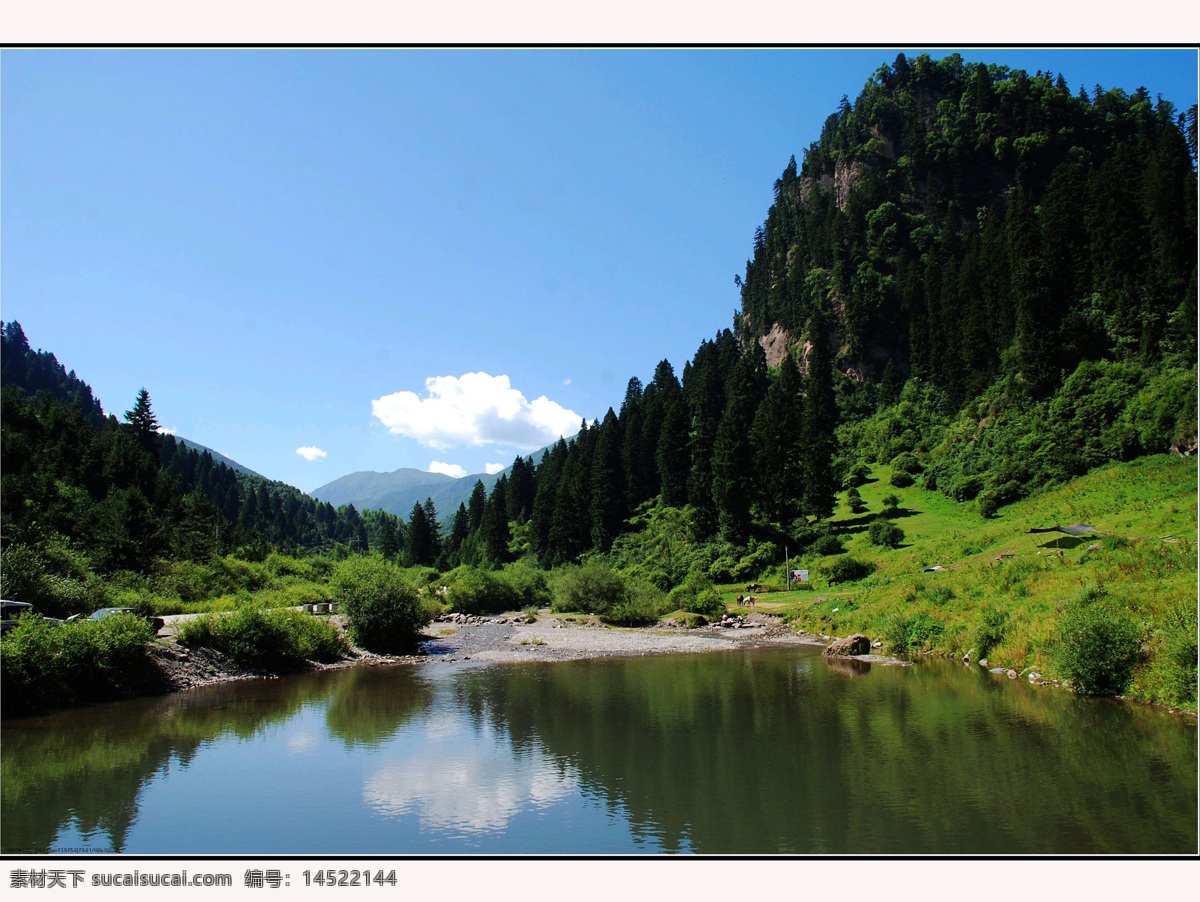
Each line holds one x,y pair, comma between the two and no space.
858,644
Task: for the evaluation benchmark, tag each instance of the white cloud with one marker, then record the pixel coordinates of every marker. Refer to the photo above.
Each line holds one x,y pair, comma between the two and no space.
310,453
436,466
165,430
492,469
567,381
475,409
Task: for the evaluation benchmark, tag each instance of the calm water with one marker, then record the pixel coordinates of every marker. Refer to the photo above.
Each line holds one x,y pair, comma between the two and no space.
758,751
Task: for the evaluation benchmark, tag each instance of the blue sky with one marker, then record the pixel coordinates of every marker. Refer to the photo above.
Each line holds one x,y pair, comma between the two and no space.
319,251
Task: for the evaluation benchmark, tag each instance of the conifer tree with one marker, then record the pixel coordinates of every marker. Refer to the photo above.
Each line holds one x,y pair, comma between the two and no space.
476,505
775,443
387,537
495,533
421,546
818,439
607,496
144,422
732,480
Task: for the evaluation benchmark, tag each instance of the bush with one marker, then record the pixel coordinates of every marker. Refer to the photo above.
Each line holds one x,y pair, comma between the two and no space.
857,475
993,625
383,610
987,506
51,577
885,534
901,480
759,558
854,500
1176,664
1096,648
698,595
906,462
53,665
473,591
827,545
591,588
904,633
965,488
895,632
528,585
644,604
273,640
848,570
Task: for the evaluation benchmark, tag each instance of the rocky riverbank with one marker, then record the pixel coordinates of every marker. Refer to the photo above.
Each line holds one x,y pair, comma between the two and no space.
494,640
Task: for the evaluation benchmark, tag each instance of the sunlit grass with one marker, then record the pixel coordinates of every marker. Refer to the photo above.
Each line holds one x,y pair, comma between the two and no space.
1142,556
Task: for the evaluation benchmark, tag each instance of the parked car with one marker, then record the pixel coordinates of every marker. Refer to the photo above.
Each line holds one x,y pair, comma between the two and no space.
156,623
14,609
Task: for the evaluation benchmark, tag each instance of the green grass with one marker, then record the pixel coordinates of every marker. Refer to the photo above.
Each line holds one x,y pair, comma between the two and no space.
1145,516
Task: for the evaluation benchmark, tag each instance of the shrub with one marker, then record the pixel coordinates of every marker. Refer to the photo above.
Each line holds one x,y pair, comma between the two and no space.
904,633
895,632
923,630
760,557
474,591
906,462
857,475
383,610
274,640
885,534
591,588
854,500
901,480
890,505
965,488
1096,648
987,506
993,625
827,545
848,570
52,578
1177,657
528,585
642,605
698,595
52,665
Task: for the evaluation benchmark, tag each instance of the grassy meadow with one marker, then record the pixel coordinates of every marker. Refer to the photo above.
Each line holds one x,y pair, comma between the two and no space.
1004,590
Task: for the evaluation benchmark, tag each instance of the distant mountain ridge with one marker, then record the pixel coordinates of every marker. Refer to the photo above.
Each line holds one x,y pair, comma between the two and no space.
396,492
219,457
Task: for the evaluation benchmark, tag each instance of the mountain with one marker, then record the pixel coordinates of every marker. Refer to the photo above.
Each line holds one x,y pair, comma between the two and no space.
966,222
218,457
398,491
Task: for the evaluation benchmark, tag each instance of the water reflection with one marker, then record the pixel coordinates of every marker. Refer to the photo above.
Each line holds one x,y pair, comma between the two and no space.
466,781
756,751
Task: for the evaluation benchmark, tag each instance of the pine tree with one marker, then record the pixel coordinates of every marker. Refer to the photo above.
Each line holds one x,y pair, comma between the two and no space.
673,456
143,421
476,505
522,488
494,532
818,439
421,537
775,441
387,537
732,480
607,496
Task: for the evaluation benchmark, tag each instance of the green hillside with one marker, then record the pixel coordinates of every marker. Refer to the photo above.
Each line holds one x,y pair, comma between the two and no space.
1140,561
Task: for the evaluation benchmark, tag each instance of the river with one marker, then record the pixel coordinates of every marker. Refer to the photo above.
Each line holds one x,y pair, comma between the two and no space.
756,751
